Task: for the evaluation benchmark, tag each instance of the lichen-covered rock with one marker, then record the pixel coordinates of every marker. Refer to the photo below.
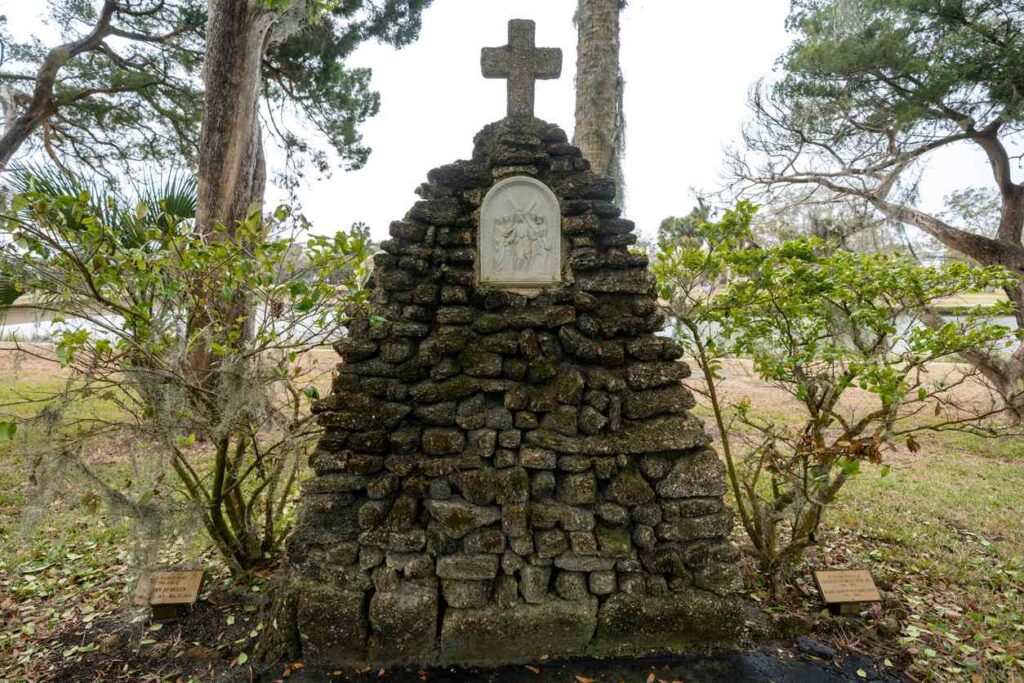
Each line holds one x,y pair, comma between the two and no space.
443,441
333,623
458,517
571,585
524,632
468,567
463,594
629,488
404,621
675,622
702,474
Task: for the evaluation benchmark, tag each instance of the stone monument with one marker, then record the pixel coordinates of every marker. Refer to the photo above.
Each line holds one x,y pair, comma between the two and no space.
508,468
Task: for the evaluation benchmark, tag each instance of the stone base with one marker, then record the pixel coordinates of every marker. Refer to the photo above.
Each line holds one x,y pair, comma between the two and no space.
492,636
693,620
406,628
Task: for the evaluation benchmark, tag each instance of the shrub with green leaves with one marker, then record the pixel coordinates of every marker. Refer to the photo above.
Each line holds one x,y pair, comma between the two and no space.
821,325
193,345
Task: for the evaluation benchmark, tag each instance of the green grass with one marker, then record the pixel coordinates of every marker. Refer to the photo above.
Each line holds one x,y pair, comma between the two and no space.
943,532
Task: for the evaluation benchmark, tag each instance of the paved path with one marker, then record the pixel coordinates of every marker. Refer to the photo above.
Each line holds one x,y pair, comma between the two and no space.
757,666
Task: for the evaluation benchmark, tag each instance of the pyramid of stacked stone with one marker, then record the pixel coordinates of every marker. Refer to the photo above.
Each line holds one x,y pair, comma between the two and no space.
507,474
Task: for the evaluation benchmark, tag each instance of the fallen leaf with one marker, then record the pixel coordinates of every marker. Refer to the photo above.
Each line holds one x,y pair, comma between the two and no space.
533,669
583,679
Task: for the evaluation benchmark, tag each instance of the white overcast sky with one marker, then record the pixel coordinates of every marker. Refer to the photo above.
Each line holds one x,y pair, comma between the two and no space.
688,66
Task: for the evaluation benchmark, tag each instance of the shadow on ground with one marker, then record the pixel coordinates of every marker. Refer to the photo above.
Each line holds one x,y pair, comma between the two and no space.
778,666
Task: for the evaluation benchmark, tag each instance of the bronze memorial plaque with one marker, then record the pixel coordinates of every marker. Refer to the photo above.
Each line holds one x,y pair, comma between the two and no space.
169,588
847,586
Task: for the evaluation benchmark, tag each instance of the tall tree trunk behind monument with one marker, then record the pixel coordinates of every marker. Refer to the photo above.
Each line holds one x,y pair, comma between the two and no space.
232,178
600,127
232,168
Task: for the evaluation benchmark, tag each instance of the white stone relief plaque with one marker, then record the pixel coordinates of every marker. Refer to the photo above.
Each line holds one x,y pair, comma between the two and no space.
520,241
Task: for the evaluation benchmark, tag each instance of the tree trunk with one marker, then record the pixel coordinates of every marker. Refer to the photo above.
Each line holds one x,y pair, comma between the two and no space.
600,128
232,169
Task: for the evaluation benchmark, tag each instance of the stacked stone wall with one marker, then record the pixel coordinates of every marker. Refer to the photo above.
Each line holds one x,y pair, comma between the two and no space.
507,474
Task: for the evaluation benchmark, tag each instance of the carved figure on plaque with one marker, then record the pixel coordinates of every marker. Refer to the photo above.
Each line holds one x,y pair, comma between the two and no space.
520,232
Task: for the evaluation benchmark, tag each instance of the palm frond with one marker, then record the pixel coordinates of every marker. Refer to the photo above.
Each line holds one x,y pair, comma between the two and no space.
162,204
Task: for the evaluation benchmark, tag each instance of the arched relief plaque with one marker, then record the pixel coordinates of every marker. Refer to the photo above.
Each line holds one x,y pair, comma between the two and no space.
520,241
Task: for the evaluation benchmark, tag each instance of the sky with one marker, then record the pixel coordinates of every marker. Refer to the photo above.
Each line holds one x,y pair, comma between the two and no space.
688,65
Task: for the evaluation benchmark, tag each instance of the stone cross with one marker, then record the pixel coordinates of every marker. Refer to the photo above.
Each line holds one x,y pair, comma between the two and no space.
522,63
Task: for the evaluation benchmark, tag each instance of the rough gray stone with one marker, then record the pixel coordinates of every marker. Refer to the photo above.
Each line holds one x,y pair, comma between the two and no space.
571,585
583,542
656,466
702,474
602,583
542,485
550,542
564,420
403,622
544,514
479,363
676,622
537,458
583,563
468,567
443,441
524,632
533,583
477,486
695,528
578,489
440,489
498,418
506,591
574,463
484,542
335,624
664,400
629,489
458,517
514,520
613,514
463,594
577,519
439,414
613,541
650,375
504,457
471,412
512,485
649,514
675,432
510,438
543,432
591,421
482,443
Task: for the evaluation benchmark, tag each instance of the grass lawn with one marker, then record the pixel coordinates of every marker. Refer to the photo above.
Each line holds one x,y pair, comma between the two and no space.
942,533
